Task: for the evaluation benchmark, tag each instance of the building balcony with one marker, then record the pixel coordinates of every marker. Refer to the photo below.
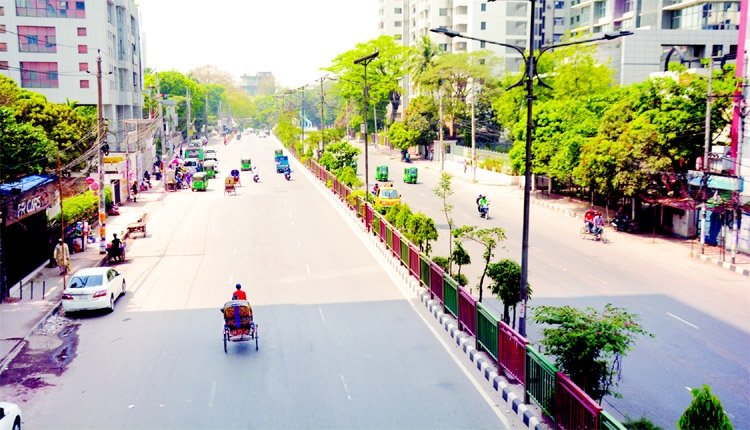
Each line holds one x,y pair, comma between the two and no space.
576,4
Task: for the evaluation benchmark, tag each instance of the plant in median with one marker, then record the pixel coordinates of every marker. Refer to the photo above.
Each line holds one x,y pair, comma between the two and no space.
443,190
506,285
589,345
461,257
705,412
487,237
420,229
641,423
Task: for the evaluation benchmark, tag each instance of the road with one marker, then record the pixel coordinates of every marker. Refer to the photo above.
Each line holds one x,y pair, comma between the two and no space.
698,313
341,346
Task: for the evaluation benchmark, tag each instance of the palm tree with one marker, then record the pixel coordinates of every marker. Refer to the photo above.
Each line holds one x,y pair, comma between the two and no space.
423,58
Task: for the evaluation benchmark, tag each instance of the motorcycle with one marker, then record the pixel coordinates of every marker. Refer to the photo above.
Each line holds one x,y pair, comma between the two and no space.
288,176
621,224
256,178
484,211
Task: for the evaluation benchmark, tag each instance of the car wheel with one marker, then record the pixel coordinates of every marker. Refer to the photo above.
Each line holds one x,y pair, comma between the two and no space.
17,424
112,303
123,288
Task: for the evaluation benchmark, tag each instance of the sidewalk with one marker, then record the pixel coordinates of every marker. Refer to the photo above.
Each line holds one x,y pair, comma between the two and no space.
29,306
576,209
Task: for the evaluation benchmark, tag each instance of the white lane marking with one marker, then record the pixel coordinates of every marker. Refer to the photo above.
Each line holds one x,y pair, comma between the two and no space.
292,223
682,320
240,215
321,315
422,194
235,250
600,280
299,243
346,389
231,276
688,388
213,394
290,214
308,268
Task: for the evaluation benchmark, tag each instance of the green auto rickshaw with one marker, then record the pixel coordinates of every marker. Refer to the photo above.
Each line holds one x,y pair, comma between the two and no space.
381,174
200,182
209,168
410,175
245,164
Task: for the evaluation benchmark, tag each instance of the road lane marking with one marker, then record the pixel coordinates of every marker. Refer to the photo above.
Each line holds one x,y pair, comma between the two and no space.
292,223
290,214
682,321
308,268
422,194
321,315
346,389
231,276
299,243
213,394
235,250
600,280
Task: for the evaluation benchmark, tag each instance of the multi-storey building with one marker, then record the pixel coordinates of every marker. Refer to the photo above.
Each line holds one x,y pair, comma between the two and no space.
51,47
260,83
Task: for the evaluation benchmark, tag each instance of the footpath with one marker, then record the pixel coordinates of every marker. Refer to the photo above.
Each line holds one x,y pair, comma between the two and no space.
31,302
576,209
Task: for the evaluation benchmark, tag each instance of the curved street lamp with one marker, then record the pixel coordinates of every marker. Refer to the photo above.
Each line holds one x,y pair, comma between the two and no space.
529,74
366,60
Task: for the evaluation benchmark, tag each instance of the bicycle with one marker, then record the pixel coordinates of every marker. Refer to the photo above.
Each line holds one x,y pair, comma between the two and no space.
598,237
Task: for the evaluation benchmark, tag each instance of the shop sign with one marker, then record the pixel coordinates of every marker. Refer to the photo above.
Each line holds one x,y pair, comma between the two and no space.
27,205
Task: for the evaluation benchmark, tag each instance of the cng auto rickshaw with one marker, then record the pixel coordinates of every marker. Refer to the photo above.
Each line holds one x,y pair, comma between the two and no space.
209,168
410,175
246,165
200,181
381,174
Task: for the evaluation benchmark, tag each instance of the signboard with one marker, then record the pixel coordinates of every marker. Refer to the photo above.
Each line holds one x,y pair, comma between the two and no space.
27,204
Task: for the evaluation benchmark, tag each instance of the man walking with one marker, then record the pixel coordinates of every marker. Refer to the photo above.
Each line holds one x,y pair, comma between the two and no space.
62,256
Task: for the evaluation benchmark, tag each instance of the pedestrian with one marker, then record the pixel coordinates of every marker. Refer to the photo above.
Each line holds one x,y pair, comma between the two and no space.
62,256
135,192
464,163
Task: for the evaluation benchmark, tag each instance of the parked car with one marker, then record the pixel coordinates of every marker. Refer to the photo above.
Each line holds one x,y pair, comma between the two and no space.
93,288
10,416
191,164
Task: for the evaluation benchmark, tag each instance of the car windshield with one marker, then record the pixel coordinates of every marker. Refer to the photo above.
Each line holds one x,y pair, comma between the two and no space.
389,194
85,281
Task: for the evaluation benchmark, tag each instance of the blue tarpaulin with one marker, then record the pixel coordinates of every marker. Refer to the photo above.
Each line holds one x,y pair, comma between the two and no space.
26,184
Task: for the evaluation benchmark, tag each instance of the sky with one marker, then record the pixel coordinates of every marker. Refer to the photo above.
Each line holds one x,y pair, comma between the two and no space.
292,39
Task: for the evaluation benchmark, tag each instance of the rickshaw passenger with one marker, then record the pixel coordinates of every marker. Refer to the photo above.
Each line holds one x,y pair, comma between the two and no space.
239,294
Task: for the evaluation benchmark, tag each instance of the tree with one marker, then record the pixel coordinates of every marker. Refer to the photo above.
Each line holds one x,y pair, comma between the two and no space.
422,57
705,412
210,74
443,191
401,137
589,346
506,285
25,148
461,257
488,238
421,229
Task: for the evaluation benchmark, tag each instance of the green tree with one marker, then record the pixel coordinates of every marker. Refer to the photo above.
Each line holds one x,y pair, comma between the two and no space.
421,229
401,137
489,238
461,257
506,286
422,57
444,190
589,346
705,412
25,148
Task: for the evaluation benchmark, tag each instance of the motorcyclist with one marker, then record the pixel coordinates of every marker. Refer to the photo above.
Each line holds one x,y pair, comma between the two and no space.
288,171
375,190
481,202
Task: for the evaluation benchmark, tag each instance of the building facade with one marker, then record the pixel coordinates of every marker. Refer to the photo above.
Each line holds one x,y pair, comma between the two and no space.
51,47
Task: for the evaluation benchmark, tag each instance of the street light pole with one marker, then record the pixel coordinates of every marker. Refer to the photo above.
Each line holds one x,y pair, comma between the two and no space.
530,60
365,61
99,135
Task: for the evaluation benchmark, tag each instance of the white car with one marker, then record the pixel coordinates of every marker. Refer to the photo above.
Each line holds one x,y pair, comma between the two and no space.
191,164
10,416
93,288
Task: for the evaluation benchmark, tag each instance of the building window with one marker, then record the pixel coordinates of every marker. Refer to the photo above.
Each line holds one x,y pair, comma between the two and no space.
460,46
29,37
443,12
482,44
3,65
443,47
83,67
559,5
600,10
81,31
51,8
397,11
39,75
557,38
83,49
717,50
3,47
482,61
2,10
483,25
397,23
83,83
396,37
2,28
559,21
483,7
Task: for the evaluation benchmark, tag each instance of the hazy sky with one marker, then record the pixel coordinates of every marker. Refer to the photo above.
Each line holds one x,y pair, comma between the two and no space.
292,39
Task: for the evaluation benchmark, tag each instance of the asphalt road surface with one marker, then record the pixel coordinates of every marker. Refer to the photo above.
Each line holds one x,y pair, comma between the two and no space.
341,345
697,312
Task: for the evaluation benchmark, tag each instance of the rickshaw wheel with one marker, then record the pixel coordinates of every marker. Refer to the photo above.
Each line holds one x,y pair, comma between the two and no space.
226,337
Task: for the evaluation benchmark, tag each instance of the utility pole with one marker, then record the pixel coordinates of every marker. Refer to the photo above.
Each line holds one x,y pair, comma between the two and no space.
322,116
365,61
99,135
302,116
62,215
473,135
440,133
705,152
165,136
187,125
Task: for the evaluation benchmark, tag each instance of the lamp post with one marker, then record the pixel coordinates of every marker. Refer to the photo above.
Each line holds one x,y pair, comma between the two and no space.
529,74
302,116
365,61
322,112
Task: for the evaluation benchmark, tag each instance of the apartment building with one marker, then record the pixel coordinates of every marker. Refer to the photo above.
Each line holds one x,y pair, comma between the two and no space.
51,47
